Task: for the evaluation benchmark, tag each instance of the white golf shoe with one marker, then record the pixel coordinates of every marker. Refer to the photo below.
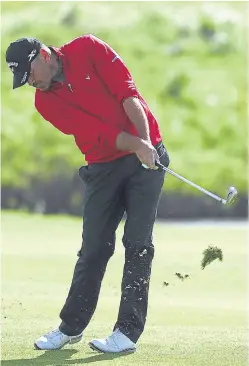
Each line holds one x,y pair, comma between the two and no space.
116,342
55,340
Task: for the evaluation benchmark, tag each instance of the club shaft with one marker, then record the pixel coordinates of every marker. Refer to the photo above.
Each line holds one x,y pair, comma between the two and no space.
192,184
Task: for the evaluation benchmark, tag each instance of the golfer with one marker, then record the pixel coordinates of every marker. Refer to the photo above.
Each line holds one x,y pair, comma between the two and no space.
85,90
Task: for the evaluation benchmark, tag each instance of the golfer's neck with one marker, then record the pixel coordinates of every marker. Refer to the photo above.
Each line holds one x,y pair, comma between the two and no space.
55,65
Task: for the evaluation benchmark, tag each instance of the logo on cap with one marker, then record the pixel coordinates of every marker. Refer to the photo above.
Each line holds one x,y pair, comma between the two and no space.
24,79
32,54
12,65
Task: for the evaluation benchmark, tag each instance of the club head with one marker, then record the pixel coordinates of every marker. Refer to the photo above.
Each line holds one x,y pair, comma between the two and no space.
231,196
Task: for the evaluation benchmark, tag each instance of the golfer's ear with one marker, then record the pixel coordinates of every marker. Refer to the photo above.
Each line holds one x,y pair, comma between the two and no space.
44,55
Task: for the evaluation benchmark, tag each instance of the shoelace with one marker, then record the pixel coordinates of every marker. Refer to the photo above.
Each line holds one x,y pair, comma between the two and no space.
113,338
55,333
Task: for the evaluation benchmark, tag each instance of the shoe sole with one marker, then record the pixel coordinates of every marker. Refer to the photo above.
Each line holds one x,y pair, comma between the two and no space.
37,348
94,348
72,341
52,349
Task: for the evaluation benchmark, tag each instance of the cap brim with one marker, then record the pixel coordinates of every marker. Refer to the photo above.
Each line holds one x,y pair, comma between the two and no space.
20,78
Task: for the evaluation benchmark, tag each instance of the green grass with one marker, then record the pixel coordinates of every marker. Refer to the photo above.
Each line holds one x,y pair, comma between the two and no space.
197,322
203,124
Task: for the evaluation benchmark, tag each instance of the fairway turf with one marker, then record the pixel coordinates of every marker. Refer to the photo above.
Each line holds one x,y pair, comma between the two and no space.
196,322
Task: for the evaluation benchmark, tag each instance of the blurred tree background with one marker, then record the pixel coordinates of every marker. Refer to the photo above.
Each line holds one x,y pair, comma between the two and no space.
188,60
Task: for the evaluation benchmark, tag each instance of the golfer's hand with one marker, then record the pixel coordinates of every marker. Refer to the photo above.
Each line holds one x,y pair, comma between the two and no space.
147,154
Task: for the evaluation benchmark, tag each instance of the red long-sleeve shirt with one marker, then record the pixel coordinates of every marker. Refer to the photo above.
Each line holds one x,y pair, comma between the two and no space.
89,103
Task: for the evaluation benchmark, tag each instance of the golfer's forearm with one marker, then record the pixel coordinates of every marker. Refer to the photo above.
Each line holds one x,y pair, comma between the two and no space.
127,142
137,116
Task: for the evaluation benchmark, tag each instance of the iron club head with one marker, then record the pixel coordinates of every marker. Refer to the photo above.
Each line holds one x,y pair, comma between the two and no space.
231,196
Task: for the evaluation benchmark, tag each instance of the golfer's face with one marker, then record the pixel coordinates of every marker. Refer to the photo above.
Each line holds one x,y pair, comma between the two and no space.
40,75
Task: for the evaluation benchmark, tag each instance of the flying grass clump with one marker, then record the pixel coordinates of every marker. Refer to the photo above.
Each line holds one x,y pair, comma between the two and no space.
211,254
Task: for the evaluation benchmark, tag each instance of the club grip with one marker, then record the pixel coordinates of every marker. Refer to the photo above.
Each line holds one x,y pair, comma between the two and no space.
159,165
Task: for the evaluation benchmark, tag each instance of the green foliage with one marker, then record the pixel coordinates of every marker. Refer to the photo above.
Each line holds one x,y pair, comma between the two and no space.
187,59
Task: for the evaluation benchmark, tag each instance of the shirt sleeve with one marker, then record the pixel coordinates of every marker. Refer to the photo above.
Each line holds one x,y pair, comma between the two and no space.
72,121
112,70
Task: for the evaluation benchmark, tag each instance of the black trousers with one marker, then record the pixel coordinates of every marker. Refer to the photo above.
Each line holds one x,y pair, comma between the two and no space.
113,188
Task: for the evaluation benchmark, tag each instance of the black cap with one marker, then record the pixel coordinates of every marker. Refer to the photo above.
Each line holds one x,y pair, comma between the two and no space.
19,56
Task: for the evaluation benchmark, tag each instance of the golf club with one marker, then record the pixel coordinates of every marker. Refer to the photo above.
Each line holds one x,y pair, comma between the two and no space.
231,195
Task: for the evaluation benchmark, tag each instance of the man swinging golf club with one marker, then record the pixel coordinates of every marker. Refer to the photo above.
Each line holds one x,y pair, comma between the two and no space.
84,89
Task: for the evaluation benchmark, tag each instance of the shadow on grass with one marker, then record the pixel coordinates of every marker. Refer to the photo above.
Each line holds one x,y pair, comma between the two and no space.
55,358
